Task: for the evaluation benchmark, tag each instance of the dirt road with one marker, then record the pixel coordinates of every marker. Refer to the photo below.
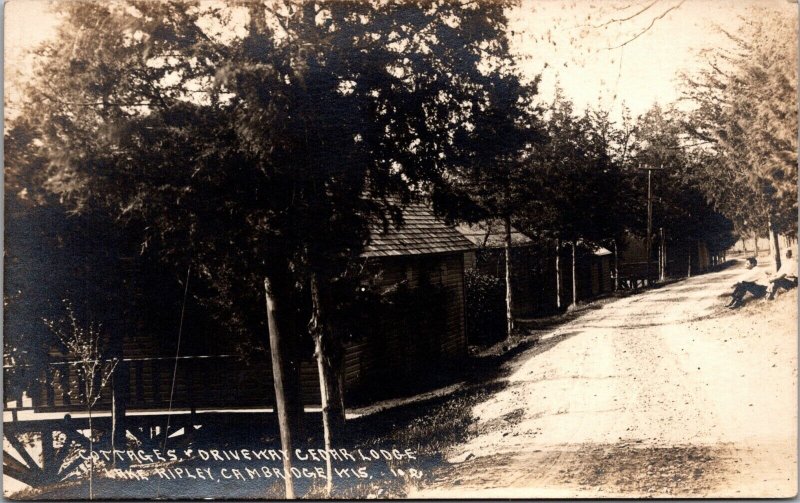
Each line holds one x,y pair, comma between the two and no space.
665,393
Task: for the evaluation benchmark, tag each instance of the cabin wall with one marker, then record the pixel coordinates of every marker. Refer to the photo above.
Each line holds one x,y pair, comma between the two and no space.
600,271
633,260
408,346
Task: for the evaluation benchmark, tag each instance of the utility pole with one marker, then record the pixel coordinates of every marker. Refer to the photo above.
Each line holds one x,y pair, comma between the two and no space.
649,223
662,256
650,215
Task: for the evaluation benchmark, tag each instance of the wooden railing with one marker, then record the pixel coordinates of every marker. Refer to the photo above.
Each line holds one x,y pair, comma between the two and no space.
147,383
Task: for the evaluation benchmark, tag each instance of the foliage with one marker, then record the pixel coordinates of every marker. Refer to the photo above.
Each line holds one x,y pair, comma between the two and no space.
485,307
255,140
580,188
494,169
746,120
262,159
50,255
680,205
85,343
53,254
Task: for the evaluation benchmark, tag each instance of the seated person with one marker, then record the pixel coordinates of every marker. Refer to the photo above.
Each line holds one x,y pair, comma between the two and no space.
786,277
742,288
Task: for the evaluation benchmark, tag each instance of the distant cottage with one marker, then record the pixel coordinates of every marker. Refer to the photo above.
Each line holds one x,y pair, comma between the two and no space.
488,257
533,267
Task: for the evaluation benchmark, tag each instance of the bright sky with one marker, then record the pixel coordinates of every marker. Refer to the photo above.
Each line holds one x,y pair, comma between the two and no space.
575,39
566,41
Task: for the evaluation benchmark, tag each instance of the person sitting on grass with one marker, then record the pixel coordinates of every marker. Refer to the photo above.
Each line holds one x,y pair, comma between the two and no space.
785,278
741,289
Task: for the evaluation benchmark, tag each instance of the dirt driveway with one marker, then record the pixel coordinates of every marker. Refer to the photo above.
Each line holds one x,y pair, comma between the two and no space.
660,394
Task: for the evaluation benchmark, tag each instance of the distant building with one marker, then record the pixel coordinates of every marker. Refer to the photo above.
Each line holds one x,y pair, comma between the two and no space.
488,257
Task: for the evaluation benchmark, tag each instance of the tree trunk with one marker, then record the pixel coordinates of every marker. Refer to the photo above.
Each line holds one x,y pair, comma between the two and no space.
293,358
279,376
689,270
91,456
755,242
333,354
329,369
776,247
119,381
770,241
558,274
662,259
660,262
744,245
616,267
574,281
509,291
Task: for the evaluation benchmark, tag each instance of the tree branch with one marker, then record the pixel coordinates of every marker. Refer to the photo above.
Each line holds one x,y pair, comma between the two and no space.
652,22
623,19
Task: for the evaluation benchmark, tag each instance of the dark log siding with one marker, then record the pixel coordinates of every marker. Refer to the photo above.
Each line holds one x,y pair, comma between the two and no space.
400,351
395,354
633,259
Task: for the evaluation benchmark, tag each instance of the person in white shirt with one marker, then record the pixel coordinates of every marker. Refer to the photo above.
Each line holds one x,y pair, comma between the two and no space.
786,277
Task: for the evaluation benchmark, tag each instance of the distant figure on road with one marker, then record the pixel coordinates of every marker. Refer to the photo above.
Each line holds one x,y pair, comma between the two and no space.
785,278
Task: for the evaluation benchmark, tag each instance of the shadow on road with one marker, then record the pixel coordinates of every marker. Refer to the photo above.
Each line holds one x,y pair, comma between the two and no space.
627,468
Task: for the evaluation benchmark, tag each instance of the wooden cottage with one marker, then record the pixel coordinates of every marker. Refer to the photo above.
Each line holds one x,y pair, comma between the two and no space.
681,257
533,271
594,272
421,264
488,257
417,329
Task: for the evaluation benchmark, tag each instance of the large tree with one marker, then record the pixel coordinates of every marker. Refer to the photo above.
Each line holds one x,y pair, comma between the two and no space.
577,194
746,118
258,143
681,209
494,170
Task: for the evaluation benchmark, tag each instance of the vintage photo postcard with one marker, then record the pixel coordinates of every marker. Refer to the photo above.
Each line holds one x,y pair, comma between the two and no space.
400,249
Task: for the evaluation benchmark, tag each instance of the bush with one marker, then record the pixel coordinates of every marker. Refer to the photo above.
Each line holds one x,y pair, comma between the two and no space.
486,309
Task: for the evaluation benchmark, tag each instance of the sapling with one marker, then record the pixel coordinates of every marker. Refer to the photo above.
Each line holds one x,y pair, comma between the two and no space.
83,342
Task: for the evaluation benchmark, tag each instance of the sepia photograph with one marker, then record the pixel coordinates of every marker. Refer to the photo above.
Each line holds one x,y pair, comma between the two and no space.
400,249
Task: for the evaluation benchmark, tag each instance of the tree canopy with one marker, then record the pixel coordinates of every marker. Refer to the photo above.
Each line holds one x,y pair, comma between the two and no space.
257,143
745,120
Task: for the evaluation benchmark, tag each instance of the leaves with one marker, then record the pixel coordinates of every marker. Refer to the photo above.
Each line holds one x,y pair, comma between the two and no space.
747,118
255,139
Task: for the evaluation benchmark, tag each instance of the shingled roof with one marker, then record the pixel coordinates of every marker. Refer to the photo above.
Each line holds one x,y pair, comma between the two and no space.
491,234
420,234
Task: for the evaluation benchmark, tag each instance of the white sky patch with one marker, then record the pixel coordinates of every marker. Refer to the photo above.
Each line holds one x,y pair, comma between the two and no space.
347,87
233,25
569,45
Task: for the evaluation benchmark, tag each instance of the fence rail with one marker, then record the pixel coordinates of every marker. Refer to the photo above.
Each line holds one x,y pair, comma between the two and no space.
147,383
